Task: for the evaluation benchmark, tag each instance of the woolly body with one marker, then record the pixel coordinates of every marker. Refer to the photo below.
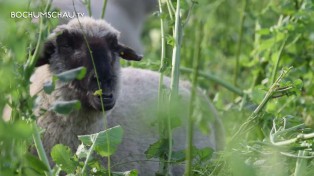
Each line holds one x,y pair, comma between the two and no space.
135,109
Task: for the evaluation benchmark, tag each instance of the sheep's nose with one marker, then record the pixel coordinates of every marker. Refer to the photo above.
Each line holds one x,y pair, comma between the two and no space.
107,95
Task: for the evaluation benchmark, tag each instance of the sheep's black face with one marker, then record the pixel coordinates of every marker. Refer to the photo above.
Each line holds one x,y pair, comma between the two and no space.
99,55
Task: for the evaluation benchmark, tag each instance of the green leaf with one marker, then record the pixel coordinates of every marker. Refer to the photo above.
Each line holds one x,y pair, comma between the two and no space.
35,164
111,138
269,43
77,73
204,154
98,92
81,151
298,84
274,56
66,107
178,156
163,15
49,87
258,95
127,173
157,149
264,31
170,40
19,130
62,155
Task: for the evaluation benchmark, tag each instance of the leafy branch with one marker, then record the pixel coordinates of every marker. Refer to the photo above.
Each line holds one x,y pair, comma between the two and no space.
247,125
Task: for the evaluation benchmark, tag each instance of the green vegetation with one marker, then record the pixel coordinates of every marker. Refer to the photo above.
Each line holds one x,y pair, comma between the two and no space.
253,58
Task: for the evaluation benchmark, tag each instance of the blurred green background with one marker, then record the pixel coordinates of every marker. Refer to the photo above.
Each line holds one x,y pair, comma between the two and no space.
245,44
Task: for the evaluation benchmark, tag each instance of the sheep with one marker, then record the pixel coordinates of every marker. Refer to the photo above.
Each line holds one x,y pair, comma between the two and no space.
66,49
129,94
124,15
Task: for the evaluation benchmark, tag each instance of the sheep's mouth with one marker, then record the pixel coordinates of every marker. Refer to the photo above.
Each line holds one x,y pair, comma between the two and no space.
107,101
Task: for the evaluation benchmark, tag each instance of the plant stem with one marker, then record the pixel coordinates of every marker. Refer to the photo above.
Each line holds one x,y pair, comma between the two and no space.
289,129
217,80
90,151
239,44
31,63
102,105
169,3
163,128
248,123
28,69
40,149
293,140
163,44
278,60
104,9
189,14
196,58
301,164
88,6
169,10
101,98
175,72
272,89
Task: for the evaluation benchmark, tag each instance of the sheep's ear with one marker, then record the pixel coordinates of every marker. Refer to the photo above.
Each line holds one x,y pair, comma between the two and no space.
128,53
122,50
46,53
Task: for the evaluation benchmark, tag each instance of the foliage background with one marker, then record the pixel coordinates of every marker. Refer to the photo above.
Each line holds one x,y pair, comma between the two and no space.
245,43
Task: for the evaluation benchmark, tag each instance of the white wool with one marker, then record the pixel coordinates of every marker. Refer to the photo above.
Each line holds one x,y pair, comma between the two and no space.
136,112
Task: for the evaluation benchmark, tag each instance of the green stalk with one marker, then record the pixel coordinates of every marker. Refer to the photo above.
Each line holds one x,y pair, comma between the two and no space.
275,70
169,10
101,101
248,123
217,80
104,9
89,155
175,72
40,149
276,66
31,63
163,44
301,164
169,3
293,140
163,130
88,6
102,107
196,58
239,44
272,89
